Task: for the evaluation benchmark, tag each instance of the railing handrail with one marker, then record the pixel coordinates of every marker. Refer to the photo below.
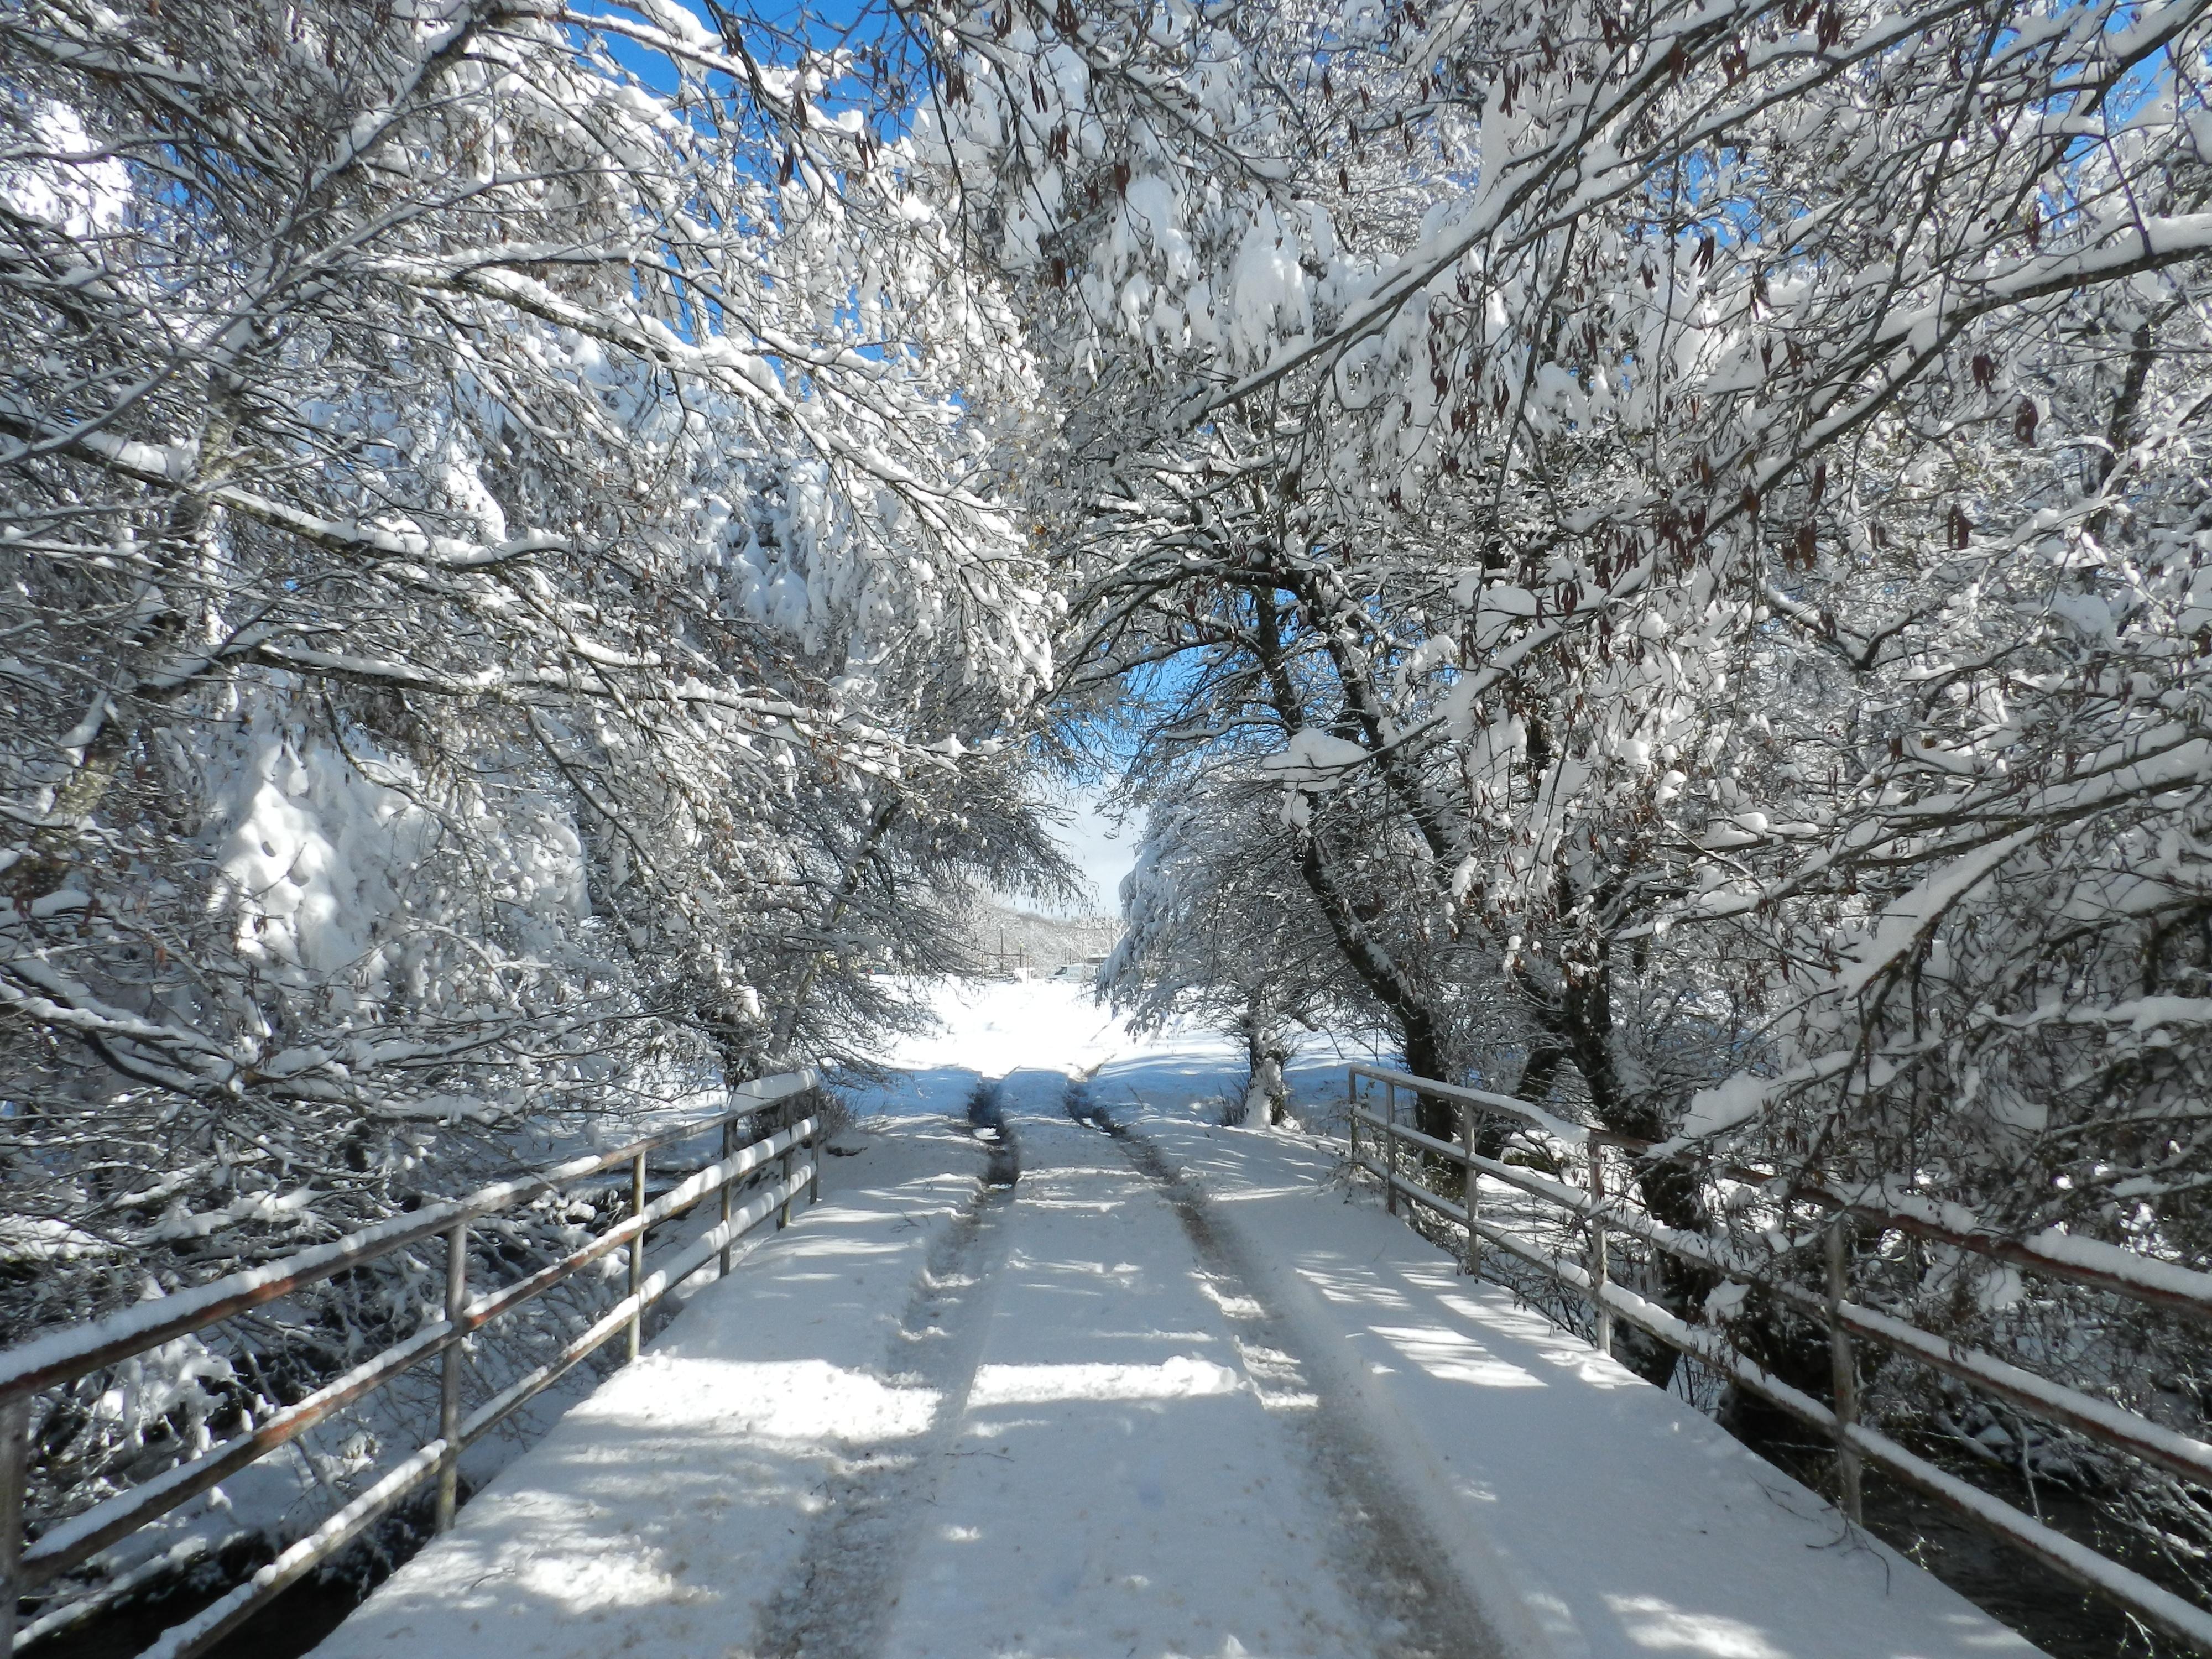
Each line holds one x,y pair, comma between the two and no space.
1534,1116
62,1356
2097,1419
2166,1285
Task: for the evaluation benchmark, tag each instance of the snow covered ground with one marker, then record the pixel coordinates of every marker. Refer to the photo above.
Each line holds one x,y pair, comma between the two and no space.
1171,1394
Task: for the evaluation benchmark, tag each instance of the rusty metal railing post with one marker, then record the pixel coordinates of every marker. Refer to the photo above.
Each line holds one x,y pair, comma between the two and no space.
449,1377
1352,1114
1844,1364
783,1215
1600,1267
1390,1148
14,1476
729,1191
1470,1193
814,1151
637,1253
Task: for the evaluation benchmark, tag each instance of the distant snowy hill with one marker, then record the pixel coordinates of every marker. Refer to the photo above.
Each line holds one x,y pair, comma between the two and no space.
1004,939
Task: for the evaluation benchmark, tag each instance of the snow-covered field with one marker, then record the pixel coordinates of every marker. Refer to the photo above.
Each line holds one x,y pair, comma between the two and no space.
1035,1035
1172,1394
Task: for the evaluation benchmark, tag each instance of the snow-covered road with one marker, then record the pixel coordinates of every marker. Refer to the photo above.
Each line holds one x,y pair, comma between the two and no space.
1133,1465
1168,1395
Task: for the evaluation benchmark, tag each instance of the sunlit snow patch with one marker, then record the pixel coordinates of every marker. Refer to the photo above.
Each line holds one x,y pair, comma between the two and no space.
1182,1378
780,1400
1659,1625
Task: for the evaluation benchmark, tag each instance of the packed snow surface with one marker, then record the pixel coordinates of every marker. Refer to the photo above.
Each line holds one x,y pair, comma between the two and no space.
1173,1393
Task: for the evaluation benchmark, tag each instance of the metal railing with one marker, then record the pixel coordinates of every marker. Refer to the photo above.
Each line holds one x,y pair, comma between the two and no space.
62,1357
1844,1321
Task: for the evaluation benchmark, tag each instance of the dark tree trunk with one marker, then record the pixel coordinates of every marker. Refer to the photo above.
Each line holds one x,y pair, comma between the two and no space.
1420,1031
1577,1023
1425,1057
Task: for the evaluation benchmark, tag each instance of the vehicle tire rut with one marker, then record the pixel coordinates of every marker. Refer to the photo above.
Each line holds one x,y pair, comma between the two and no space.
1394,1572
838,1601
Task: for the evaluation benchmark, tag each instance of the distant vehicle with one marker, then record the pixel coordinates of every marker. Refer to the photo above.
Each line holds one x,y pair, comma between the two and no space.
1076,971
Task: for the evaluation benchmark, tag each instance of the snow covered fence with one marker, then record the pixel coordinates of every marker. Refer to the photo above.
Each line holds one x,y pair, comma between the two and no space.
62,1357
2159,1284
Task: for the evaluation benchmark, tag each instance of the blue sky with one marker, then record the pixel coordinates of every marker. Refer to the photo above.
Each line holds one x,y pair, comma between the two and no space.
825,21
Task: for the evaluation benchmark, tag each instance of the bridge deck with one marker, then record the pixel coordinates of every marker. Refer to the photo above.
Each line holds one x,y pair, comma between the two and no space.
1115,1411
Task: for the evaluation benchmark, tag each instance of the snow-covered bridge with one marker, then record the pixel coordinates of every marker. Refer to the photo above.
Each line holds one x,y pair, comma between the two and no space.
1169,1393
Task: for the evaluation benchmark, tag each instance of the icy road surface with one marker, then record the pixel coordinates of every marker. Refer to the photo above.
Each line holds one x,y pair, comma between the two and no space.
1169,1395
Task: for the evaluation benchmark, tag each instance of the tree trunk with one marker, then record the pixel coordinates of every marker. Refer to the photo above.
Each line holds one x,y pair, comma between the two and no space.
1580,1021
1265,1098
1420,1033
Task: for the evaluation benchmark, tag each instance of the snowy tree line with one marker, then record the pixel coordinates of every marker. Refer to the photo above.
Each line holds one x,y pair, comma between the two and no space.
510,613
1659,555
1004,938
1654,553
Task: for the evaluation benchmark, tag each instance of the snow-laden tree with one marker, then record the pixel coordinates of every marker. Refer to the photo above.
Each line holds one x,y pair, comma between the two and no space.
1211,936
1707,499
1513,350
509,613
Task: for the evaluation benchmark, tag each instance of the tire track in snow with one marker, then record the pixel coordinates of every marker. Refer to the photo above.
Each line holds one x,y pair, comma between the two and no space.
839,1601
1398,1577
